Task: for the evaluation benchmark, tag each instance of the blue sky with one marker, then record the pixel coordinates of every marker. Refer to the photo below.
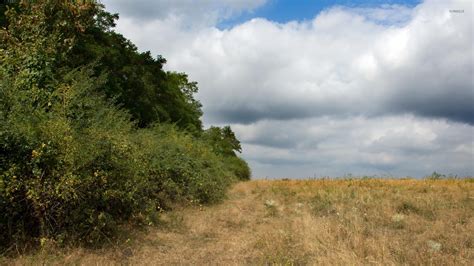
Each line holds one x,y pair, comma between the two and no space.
283,11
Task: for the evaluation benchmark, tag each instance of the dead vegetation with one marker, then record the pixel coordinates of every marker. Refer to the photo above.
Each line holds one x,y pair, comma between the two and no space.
358,221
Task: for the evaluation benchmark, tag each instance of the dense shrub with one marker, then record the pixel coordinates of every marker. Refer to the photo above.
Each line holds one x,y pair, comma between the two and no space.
79,169
74,161
224,144
238,167
181,167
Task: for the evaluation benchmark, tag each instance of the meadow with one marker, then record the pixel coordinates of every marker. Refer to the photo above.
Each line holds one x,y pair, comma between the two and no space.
299,222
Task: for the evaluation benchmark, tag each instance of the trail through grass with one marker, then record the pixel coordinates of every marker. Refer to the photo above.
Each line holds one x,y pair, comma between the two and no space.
342,222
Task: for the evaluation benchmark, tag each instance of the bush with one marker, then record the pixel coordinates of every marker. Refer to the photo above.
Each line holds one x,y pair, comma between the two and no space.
224,144
73,163
79,170
239,168
181,167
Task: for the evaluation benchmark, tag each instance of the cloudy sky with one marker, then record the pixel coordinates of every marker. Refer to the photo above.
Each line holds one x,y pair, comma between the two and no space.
324,88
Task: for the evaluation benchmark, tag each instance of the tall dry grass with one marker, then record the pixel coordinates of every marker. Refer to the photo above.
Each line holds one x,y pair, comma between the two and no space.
355,222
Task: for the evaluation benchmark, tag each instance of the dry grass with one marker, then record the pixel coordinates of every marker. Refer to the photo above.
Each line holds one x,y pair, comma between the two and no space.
338,222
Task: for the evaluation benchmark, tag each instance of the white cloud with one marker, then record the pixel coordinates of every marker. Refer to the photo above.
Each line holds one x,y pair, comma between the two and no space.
404,73
391,145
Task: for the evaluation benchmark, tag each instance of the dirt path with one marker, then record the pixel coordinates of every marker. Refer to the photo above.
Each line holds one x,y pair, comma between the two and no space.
307,222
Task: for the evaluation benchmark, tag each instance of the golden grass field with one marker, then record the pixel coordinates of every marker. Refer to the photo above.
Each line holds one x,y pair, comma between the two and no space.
310,222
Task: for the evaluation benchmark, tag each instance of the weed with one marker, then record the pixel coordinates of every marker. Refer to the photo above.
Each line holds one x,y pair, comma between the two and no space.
322,205
271,208
435,176
434,246
407,208
398,221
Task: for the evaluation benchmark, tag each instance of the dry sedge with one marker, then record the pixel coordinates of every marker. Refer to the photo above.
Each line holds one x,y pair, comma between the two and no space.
344,222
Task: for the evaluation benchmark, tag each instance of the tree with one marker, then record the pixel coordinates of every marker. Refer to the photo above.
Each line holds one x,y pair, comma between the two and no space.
222,140
135,80
73,162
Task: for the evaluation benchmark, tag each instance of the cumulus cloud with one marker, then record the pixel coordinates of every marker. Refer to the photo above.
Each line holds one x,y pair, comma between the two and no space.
303,94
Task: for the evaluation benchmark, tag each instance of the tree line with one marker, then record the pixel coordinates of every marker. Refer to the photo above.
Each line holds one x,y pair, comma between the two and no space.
94,133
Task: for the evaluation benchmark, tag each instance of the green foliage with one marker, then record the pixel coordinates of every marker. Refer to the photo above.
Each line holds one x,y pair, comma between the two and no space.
181,167
136,81
238,167
322,205
4,5
83,146
222,140
225,144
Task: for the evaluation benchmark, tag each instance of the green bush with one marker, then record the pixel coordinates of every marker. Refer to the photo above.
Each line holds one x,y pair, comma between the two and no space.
73,163
181,167
66,170
239,168
78,170
224,144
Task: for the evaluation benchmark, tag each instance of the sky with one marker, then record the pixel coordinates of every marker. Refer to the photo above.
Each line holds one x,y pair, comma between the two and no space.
324,88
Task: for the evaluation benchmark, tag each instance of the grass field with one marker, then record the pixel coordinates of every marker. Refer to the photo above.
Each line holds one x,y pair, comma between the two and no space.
330,221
